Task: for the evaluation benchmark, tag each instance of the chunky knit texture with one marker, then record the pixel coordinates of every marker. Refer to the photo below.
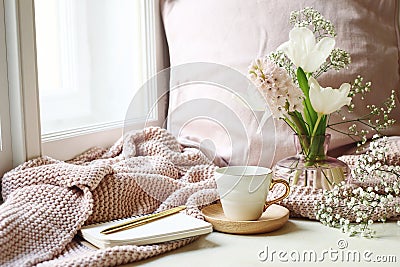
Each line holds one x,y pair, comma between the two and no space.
47,201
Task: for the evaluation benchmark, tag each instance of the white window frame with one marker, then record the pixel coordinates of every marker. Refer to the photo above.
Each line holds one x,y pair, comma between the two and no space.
6,160
27,141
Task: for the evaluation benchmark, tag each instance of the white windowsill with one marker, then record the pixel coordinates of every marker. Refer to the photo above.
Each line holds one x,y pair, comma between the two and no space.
218,249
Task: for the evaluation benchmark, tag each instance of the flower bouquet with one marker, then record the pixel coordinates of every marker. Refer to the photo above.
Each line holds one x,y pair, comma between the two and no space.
287,78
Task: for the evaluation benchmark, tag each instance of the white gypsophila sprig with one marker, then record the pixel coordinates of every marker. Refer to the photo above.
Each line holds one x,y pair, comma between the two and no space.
359,87
338,59
308,16
359,206
280,59
277,87
352,209
375,121
374,163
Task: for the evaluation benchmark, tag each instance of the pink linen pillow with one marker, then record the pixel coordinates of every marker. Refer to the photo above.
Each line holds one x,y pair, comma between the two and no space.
234,32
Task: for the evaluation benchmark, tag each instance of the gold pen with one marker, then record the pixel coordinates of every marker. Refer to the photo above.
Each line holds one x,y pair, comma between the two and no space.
141,220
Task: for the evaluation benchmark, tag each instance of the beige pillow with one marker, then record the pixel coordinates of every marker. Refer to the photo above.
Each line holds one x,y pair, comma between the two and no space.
234,32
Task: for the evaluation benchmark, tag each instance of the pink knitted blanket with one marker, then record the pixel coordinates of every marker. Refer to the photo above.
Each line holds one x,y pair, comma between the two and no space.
47,201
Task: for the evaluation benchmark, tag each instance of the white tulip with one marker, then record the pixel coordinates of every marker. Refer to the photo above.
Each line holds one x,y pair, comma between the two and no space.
304,52
328,100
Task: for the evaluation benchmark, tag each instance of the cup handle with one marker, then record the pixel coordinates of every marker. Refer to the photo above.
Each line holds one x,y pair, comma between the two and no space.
285,195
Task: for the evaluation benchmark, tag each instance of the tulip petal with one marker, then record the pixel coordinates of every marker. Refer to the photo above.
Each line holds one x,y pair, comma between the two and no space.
345,88
285,49
303,38
313,82
318,55
313,61
303,50
328,100
302,42
331,100
314,93
325,46
291,52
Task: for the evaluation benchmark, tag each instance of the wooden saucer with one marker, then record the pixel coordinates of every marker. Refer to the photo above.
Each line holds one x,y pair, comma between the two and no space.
272,219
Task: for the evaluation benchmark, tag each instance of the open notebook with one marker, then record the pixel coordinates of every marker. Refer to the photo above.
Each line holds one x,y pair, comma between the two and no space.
169,228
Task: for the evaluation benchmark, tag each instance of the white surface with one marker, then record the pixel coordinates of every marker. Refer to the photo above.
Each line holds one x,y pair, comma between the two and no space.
218,249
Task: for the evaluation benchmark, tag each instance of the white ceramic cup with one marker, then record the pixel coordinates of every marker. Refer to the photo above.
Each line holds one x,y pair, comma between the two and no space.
243,191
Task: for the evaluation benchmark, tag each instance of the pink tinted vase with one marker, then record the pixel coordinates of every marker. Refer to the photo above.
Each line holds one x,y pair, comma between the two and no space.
311,166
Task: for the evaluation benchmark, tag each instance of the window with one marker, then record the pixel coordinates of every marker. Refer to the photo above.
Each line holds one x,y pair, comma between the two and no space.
73,68
89,59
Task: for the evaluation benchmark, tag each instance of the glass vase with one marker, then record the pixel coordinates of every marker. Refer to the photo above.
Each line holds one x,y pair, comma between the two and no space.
311,166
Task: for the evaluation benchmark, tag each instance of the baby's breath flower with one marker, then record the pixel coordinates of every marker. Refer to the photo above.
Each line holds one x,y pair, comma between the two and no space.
338,59
359,203
281,60
373,164
375,121
311,17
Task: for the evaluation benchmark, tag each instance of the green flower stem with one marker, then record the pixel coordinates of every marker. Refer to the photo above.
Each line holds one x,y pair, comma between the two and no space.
309,112
297,119
317,124
297,176
313,144
290,123
312,127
